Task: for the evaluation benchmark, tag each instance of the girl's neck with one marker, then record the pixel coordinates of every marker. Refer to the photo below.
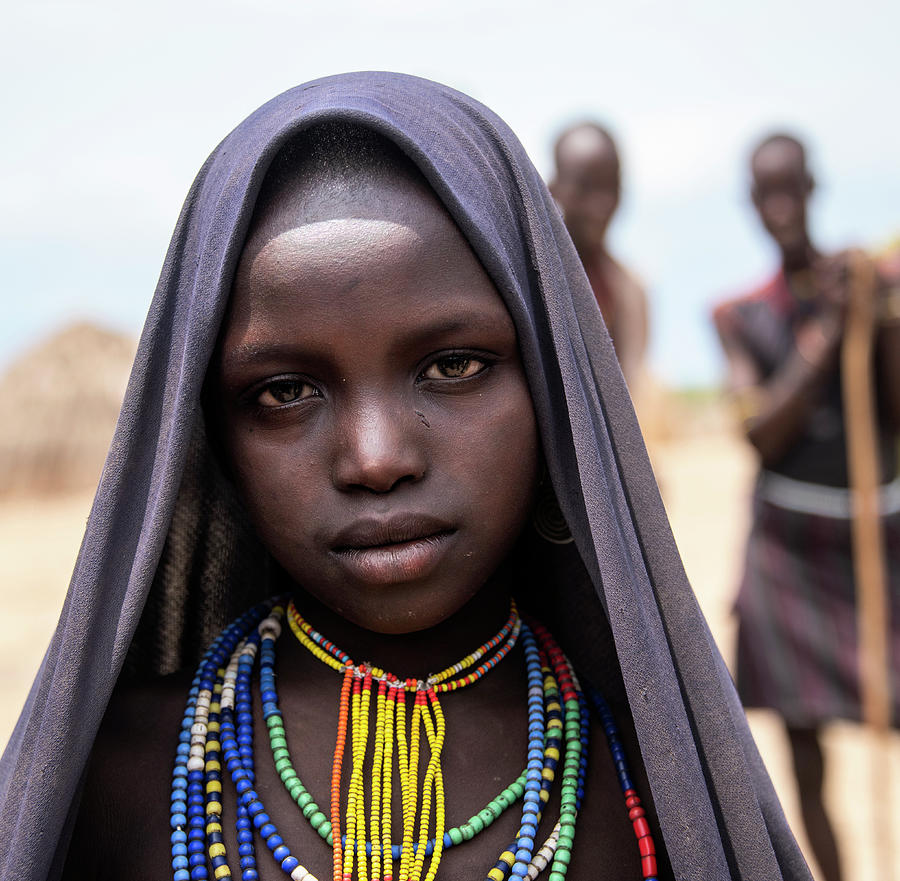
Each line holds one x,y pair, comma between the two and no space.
416,655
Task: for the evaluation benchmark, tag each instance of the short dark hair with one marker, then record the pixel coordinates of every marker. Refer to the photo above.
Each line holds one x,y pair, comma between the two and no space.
330,159
335,149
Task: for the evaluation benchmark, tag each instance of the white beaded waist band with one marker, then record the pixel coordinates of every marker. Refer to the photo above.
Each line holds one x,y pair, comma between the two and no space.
815,498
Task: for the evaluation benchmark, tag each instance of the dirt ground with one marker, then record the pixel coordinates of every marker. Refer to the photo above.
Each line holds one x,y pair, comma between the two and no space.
705,475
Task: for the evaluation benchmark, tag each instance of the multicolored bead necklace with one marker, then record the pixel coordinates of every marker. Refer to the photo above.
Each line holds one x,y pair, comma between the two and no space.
218,724
390,724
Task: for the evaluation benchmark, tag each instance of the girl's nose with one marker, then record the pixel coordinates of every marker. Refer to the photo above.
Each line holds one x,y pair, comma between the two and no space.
379,445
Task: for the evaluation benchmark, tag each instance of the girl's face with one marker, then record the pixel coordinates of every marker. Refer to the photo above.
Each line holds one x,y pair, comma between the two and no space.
373,405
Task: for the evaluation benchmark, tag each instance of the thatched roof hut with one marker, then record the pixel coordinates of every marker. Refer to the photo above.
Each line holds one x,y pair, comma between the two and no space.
58,407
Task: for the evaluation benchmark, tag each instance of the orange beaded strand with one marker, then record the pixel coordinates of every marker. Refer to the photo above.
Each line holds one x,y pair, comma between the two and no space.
337,765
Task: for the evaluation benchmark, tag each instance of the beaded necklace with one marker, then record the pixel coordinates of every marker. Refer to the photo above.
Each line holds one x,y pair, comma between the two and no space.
218,725
390,723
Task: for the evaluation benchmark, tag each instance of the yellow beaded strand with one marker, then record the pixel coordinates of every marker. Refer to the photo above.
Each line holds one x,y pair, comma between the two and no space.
513,623
410,802
363,725
301,630
375,818
434,778
387,781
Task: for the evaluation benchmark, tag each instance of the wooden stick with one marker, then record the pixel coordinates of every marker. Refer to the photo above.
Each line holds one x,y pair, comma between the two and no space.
873,608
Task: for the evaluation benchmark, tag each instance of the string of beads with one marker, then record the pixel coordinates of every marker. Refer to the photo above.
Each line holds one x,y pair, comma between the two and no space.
418,802
218,725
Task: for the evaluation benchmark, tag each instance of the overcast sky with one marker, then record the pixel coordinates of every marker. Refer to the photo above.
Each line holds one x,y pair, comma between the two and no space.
110,108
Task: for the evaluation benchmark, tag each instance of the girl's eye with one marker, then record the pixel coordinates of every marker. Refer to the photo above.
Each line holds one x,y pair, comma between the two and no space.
454,367
280,392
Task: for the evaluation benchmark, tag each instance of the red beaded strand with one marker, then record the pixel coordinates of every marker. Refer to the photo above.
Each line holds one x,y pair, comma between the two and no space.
642,832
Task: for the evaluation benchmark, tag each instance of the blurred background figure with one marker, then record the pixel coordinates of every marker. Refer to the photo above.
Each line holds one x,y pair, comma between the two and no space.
797,632
587,186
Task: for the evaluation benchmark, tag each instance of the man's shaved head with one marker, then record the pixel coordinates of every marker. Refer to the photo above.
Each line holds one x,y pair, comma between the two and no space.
781,186
585,139
587,183
778,149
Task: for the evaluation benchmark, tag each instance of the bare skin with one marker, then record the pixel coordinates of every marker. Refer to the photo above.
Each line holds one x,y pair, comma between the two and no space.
587,188
329,359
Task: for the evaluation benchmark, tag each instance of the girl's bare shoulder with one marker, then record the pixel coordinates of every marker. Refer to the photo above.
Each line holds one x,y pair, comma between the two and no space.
123,806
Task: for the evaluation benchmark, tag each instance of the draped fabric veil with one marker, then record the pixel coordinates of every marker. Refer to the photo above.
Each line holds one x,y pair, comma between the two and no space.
162,526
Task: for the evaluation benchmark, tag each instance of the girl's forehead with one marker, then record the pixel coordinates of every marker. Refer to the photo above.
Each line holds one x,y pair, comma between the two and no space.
391,244
395,196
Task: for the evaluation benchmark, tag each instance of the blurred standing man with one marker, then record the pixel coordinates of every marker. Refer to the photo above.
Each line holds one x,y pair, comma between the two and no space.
587,188
797,639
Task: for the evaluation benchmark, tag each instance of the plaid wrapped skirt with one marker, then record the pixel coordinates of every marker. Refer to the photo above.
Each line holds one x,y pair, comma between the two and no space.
797,630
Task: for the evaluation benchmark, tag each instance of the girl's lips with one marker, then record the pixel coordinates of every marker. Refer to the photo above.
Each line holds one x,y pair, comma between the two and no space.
398,561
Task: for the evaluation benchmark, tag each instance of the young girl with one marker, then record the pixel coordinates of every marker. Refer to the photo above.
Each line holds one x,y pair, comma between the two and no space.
374,385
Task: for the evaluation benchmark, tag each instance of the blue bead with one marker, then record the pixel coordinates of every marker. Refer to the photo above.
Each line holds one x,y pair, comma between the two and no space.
267,830
180,862
246,849
199,873
289,864
196,846
280,852
178,837
182,875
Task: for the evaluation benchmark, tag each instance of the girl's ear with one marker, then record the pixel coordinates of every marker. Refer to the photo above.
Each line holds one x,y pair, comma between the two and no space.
546,517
